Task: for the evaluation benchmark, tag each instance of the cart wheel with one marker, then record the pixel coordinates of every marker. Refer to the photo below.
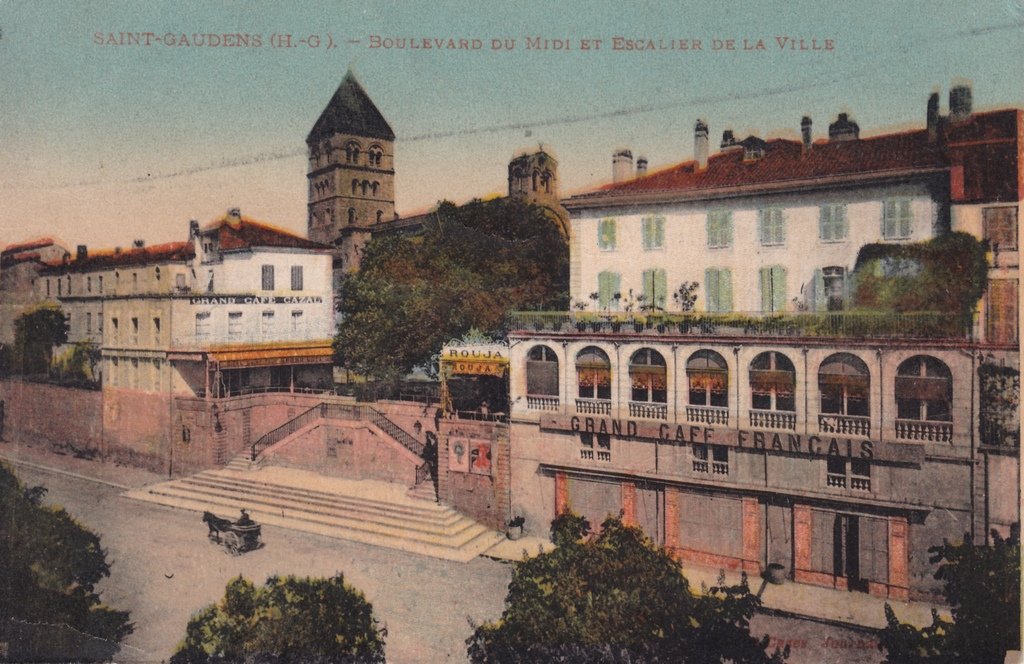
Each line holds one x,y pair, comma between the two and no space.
233,542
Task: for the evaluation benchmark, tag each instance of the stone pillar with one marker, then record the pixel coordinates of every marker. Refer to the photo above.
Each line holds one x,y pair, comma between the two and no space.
671,517
561,493
751,536
801,541
899,582
629,503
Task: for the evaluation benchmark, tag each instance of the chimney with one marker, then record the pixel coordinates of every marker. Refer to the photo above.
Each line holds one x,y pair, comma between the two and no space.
641,166
700,144
805,132
117,251
728,140
959,103
932,118
81,253
193,228
234,215
622,165
843,129
138,244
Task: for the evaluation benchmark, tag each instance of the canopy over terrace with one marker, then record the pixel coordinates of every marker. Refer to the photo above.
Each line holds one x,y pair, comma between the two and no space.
231,370
474,380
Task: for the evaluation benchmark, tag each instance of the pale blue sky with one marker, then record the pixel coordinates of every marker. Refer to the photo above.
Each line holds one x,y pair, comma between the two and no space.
102,144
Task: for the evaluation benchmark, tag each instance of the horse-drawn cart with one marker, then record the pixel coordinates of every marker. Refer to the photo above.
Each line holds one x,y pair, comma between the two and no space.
236,536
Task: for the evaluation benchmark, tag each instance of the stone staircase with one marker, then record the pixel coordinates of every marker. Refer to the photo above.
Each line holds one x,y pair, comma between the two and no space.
375,513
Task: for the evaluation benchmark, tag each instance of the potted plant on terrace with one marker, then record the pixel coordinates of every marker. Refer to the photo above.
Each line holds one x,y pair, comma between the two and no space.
515,527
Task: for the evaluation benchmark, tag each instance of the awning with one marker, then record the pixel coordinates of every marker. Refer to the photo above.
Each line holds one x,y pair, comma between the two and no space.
242,357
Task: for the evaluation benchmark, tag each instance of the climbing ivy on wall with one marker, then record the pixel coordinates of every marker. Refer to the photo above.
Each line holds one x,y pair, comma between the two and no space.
999,419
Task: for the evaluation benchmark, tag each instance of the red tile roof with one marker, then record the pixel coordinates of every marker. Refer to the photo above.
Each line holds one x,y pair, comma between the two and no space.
244,233
786,163
108,258
38,243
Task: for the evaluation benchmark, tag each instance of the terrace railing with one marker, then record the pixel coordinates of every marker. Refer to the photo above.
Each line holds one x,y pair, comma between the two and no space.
934,432
864,324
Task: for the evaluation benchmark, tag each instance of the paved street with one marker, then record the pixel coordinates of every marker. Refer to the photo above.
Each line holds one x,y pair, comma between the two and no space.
164,569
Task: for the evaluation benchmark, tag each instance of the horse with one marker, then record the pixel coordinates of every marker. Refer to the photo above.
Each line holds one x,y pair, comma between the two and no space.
216,525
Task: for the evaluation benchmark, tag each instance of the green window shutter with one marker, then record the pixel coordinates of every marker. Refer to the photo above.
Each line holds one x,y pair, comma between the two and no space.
727,235
648,283
606,234
819,303
825,222
659,232
709,227
660,289
765,284
604,288
725,290
778,288
905,219
645,229
711,289
839,221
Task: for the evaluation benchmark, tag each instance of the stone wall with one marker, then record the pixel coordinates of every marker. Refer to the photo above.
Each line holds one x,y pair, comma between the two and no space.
55,414
481,494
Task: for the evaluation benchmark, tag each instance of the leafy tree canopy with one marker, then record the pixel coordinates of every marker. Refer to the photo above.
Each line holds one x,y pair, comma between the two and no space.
616,597
467,268
288,619
51,566
35,334
982,586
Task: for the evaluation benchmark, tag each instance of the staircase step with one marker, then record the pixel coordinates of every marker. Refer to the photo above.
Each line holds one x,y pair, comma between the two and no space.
463,552
447,523
413,509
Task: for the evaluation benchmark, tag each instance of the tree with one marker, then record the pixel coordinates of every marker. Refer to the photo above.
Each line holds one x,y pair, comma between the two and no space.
51,565
982,586
35,334
288,619
468,267
616,597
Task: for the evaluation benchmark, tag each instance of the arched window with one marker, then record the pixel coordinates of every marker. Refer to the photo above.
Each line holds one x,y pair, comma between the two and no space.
374,187
352,152
547,182
647,375
536,177
156,273
355,186
924,390
365,186
380,215
351,215
772,382
594,374
708,377
542,378
374,155
845,385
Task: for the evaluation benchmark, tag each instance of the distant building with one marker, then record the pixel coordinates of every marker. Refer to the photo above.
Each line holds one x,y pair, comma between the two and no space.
775,424
20,265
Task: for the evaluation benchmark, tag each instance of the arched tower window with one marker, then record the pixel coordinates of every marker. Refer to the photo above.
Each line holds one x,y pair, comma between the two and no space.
374,187
355,187
772,382
351,216
536,177
708,377
647,375
924,390
547,182
594,374
380,215
365,186
352,152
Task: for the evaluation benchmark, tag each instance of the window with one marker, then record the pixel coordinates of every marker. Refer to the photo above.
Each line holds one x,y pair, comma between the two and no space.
773,288
606,234
101,283
60,287
700,458
156,273
352,213
855,473
297,322
924,390
719,459
47,288
718,289
832,223
772,382
708,377
88,323
1001,311
135,281
88,284
296,277
268,277
179,282
653,227
267,324
135,330
1001,227
234,324
830,288
542,372
719,227
156,330
594,374
835,472
647,375
845,384
202,325
114,329
69,284
655,288
897,219
771,224
607,288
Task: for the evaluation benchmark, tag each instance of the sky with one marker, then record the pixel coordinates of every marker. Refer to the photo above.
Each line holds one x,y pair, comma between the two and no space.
104,142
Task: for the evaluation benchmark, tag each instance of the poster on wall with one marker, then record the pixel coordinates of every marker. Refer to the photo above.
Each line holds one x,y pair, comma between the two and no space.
766,252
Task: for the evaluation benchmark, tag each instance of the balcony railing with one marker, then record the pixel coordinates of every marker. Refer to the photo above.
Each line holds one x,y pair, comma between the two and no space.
860,483
834,480
854,425
707,414
594,406
861,324
541,403
772,419
647,410
719,467
935,432
700,466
